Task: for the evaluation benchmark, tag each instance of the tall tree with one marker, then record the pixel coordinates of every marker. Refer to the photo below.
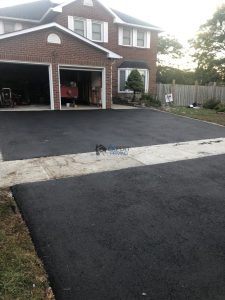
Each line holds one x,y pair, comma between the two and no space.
168,74
209,46
169,50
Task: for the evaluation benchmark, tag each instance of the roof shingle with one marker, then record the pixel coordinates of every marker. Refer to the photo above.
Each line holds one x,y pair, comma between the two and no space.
131,20
29,11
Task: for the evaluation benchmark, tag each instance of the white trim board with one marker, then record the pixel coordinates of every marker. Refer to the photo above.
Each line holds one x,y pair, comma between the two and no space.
110,54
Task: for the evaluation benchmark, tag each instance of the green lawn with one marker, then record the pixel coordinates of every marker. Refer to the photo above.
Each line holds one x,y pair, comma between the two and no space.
22,275
209,115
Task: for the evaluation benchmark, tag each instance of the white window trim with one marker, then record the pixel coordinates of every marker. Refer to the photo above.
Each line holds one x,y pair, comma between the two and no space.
131,37
17,26
130,69
88,28
102,31
134,33
145,39
85,25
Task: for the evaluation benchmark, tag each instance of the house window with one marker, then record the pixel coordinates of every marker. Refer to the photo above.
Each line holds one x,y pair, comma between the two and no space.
79,27
123,76
53,39
88,2
141,38
9,27
93,30
97,30
127,37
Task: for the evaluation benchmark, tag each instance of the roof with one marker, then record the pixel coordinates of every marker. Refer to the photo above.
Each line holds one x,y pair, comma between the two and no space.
27,11
134,65
134,21
109,53
36,11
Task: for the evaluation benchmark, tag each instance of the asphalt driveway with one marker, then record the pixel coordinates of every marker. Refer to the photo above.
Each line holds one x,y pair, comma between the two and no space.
153,233
35,134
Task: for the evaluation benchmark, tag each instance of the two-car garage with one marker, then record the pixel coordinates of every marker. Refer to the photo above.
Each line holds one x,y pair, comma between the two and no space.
67,71
31,86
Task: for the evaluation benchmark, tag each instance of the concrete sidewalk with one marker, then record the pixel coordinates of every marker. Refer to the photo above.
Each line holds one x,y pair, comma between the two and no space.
56,167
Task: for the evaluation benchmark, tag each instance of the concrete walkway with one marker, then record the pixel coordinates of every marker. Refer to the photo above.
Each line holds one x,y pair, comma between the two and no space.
56,167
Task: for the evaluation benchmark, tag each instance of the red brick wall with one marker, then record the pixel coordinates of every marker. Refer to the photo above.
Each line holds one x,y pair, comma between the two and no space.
98,12
33,47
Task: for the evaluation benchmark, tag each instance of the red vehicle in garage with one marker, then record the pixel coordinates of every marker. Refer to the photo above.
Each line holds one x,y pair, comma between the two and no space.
69,93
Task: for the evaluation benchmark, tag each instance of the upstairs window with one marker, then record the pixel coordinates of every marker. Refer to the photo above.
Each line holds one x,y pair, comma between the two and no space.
79,27
141,38
97,29
134,37
9,27
88,3
127,37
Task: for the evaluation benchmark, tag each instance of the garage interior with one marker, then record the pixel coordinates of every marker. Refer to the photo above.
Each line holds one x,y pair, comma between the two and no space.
81,88
29,84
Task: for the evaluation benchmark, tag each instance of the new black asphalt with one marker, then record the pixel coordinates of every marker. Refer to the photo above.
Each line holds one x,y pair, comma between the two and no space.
35,134
153,232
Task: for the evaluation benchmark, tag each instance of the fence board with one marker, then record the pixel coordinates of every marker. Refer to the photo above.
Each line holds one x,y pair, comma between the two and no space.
184,95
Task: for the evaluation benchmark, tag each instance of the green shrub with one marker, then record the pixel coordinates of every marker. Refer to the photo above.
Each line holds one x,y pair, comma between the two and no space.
149,100
211,104
220,107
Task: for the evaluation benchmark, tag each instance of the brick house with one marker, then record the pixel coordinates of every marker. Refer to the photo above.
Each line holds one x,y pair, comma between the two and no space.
81,44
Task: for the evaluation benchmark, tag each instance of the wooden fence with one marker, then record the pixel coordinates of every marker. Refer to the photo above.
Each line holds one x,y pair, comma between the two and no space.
184,95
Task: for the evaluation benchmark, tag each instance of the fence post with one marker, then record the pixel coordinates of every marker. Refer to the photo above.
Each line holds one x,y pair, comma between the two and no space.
214,90
196,92
173,90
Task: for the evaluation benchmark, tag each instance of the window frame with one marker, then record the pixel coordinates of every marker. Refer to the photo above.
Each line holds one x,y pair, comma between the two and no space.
131,36
145,38
127,72
85,25
102,31
11,23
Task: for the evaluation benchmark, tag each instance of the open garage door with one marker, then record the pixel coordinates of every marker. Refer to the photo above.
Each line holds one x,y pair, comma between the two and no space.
27,84
81,87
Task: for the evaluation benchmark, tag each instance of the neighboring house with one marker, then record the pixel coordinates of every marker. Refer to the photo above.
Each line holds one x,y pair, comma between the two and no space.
81,43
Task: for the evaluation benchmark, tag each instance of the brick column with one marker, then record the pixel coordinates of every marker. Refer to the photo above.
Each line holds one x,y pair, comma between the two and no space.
55,81
108,87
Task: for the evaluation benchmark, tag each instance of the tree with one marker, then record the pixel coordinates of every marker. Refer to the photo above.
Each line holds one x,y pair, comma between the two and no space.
168,74
169,49
135,83
209,48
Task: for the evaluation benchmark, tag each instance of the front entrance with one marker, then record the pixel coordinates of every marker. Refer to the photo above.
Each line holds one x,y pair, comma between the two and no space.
82,88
